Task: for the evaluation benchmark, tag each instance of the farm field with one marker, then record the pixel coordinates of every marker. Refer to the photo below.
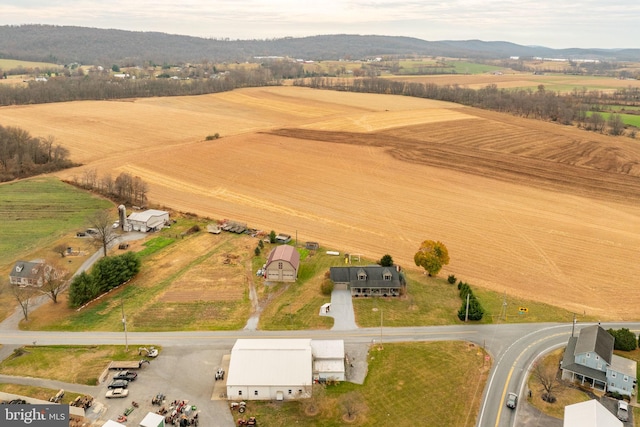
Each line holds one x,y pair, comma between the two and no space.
516,80
533,209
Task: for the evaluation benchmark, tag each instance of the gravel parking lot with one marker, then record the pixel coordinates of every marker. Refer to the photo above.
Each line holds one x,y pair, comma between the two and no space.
180,373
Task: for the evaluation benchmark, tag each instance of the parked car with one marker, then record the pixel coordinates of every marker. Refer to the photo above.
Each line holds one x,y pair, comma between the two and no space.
512,400
623,410
117,392
116,224
81,234
125,375
91,231
118,384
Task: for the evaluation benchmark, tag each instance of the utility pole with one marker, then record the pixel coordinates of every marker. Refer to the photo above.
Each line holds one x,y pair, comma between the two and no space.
466,314
380,326
124,323
573,325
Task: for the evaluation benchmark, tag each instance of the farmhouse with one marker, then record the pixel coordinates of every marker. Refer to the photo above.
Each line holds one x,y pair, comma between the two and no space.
589,414
282,264
328,360
270,369
589,360
29,273
372,280
149,220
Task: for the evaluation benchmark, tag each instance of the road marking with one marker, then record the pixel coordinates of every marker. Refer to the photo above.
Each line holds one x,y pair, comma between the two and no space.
515,362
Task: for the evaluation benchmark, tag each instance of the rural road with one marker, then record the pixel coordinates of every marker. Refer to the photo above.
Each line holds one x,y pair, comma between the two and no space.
513,347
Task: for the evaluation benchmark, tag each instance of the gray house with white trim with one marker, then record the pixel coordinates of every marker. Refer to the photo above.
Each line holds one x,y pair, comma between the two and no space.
589,360
371,280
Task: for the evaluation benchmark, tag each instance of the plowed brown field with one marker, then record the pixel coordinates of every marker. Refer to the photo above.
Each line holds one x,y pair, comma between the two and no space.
533,209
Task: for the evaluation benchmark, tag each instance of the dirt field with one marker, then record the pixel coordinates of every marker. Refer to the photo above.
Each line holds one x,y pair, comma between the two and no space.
530,208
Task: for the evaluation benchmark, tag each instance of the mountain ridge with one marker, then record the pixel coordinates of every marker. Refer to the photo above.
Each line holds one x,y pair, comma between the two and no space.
87,45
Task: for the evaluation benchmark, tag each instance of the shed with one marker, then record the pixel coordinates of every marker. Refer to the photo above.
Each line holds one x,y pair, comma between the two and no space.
589,414
282,264
152,420
270,369
149,220
328,360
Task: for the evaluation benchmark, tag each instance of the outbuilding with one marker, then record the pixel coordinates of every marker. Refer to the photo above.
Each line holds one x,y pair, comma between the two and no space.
149,220
589,414
152,420
282,264
328,360
270,369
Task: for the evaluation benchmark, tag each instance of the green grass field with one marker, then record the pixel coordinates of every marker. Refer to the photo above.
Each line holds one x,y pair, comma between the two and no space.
38,211
627,119
399,376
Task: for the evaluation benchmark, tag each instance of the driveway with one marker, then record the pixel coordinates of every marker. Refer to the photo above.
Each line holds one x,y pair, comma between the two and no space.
341,311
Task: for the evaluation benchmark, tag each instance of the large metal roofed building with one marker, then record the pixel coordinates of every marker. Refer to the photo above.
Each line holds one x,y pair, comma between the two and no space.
270,369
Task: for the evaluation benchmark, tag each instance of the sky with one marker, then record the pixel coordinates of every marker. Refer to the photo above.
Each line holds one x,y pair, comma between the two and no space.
552,23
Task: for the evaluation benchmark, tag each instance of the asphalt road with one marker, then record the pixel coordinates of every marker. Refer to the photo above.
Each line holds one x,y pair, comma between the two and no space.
513,347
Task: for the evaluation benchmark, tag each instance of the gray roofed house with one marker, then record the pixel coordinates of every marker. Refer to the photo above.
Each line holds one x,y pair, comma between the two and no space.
372,280
28,273
589,359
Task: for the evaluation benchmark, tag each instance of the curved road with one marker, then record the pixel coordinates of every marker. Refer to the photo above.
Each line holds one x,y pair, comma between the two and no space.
513,347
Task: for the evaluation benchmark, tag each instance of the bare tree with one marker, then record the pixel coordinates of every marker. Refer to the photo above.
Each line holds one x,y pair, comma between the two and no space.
56,280
353,405
547,376
24,296
102,223
61,249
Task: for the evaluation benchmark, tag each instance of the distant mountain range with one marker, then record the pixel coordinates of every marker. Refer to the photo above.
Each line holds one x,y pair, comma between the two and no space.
66,44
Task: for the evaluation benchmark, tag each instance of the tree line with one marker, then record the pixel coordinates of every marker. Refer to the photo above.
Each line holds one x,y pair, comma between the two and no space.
125,188
91,87
574,108
22,155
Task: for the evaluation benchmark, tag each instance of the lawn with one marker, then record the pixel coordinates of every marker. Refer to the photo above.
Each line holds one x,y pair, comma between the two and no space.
433,301
405,382
71,364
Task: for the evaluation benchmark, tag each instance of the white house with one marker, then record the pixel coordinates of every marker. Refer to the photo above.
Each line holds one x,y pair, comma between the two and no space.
270,369
149,220
328,360
589,414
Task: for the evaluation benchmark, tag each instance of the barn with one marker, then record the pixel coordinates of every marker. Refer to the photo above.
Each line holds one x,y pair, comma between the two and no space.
149,220
282,264
270,369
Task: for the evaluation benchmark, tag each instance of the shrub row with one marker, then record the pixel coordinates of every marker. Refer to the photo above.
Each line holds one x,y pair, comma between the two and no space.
624,339
475,309
107,273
